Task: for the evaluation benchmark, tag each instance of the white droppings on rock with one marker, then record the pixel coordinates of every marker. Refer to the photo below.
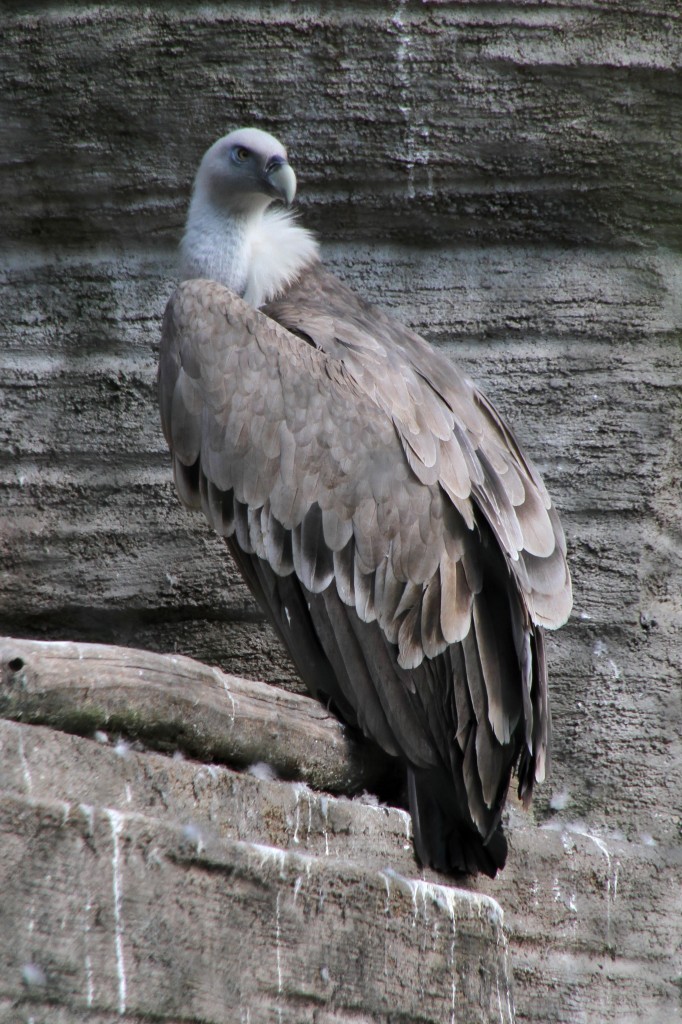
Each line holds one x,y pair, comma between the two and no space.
535,892
25,768
559,801
122,748
271,854
263,771
300,789
278,944
511,1012
192,833
116,820
448,898
89,976
612,873
88,812
233,701
387,882
31,923
615,671
324,807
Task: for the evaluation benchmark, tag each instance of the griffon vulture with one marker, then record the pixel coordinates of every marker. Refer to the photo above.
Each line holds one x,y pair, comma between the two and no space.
376,503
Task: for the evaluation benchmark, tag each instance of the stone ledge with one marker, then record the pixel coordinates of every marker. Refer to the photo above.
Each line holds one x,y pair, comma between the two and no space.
575,902
588,914
110,912
150,885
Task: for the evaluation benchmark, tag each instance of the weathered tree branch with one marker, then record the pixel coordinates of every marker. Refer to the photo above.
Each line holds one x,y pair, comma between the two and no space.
175,702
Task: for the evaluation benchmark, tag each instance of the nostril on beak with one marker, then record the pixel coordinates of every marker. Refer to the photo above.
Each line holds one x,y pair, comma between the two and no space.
273,163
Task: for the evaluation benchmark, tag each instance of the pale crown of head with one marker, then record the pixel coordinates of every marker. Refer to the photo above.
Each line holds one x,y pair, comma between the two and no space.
245,171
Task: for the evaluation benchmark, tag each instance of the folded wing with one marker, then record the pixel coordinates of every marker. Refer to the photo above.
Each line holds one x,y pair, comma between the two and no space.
385,517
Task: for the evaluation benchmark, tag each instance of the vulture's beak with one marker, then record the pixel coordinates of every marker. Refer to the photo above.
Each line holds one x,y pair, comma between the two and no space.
280,180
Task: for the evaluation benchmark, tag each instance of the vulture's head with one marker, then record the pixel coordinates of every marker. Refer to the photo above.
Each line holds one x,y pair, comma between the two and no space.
234,235
245,171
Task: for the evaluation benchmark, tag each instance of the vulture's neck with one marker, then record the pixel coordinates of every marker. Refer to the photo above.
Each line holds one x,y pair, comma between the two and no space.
255,254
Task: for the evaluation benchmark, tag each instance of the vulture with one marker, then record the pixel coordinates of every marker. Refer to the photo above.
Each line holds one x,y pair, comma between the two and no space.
376,503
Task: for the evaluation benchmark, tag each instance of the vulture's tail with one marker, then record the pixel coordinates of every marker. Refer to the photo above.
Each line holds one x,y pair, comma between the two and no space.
443,839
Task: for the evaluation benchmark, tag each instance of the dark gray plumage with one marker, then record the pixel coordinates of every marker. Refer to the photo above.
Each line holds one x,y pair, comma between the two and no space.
378,507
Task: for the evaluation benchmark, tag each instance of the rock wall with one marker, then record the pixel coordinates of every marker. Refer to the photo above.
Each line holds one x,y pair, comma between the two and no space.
155,887
505,177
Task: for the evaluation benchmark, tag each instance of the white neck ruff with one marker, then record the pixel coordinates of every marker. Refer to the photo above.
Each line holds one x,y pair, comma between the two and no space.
256,255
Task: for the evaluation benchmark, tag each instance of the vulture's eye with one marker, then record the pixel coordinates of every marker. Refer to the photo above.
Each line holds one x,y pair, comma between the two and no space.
240,154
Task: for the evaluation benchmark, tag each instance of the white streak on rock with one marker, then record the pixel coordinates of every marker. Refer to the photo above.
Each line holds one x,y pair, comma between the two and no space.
278,940
25,769
501,938
417,149
233,702
116,820
387,883
88,812
278,952
31,916
453,966
324,808
611,874
89,977
271,854
300,789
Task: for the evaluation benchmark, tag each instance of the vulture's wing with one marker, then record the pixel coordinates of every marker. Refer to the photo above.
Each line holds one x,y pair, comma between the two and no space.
450,432
355,517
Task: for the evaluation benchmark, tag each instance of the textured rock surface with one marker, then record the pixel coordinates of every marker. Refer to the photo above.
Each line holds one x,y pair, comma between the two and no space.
591,932
506,178
131,896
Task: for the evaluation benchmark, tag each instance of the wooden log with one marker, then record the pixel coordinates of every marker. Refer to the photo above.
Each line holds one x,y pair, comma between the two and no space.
174,702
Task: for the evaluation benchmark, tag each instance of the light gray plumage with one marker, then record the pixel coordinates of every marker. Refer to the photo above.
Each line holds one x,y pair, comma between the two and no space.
376,503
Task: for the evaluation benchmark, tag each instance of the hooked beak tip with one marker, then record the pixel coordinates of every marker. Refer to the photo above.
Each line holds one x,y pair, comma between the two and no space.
281,181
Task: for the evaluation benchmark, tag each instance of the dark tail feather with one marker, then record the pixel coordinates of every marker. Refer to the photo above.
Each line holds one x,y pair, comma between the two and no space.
443,839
